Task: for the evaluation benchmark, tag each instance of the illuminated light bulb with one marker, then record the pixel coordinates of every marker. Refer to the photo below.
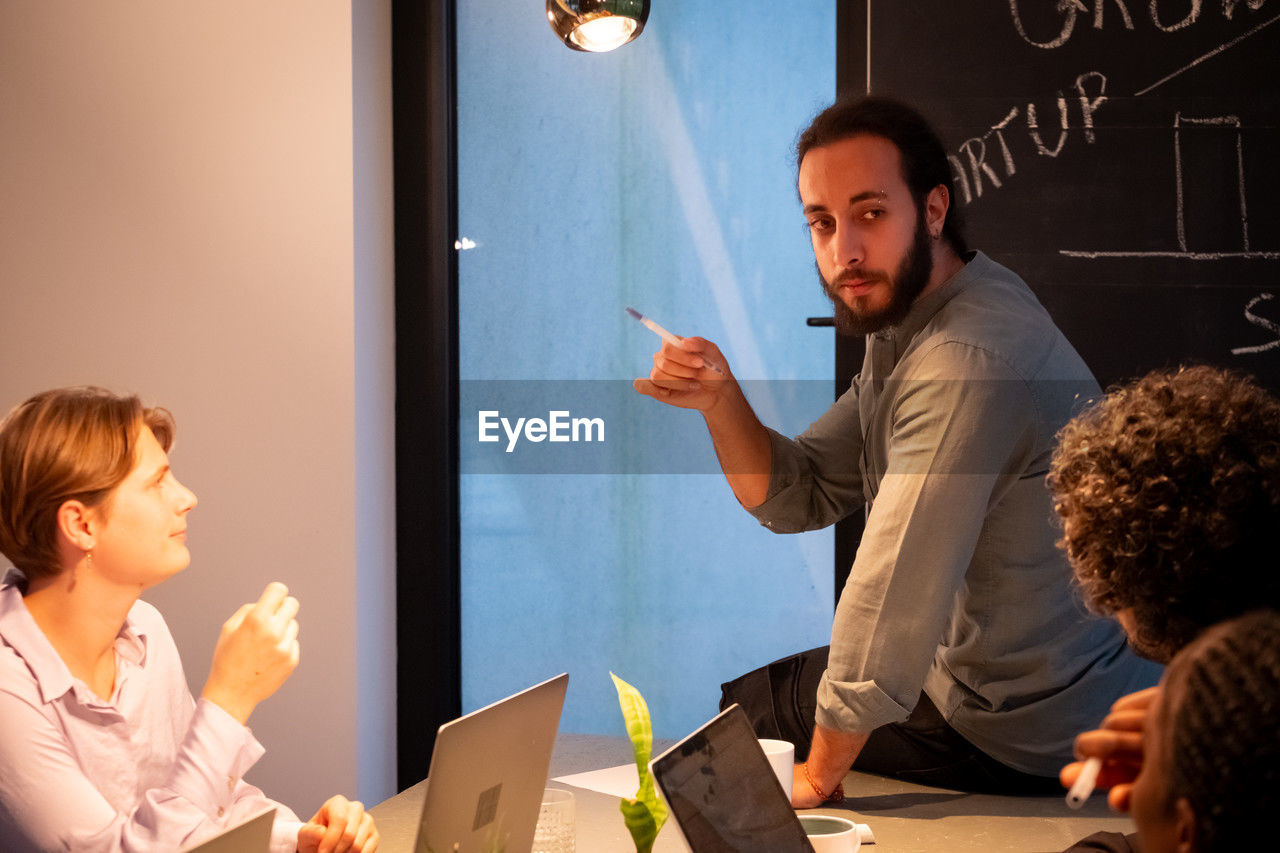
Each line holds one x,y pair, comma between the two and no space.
597,25
601,34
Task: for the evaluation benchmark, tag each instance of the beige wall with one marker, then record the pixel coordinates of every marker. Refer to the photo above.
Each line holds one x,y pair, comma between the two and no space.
179,184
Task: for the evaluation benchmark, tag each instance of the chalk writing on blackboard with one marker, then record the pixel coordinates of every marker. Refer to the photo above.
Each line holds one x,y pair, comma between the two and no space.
1270,325
1164,20
971,165
1144,184
1217,50
1222,121
1185,250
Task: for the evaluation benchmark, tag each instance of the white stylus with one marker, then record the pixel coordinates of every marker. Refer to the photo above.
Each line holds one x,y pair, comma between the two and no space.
667,336
1083,787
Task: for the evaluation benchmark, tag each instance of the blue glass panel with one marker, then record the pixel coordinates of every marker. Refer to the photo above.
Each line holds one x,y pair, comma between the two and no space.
659,176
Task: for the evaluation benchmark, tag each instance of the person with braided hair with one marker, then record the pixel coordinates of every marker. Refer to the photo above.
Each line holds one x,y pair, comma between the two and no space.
1169,493
1211,780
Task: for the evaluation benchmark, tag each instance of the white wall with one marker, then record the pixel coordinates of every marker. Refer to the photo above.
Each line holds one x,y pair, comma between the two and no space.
179,190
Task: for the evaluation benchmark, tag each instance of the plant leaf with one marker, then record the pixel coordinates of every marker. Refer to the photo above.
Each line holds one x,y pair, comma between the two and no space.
640,823
635,712
646,813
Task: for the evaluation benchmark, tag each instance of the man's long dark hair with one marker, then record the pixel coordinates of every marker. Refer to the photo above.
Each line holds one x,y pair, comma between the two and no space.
924,160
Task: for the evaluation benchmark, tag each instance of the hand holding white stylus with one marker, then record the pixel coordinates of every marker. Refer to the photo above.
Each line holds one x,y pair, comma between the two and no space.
668,337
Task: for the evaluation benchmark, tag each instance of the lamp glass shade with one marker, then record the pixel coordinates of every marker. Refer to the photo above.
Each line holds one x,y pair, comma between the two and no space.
597,25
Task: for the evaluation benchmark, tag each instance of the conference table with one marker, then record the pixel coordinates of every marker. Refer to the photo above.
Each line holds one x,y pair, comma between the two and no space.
904,817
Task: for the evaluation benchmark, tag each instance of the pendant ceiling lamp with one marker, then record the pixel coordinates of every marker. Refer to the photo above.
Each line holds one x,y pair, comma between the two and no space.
597,25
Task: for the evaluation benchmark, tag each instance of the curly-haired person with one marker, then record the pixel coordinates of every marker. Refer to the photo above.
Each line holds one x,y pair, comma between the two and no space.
1169,494
1211,780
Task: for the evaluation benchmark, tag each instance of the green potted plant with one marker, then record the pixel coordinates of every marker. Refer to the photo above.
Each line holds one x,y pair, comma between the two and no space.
645,813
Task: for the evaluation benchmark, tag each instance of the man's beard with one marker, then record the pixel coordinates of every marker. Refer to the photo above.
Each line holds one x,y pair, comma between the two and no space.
904,286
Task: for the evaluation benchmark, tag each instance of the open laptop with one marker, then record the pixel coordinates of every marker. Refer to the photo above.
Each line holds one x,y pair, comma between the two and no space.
724,795
252,836
488,771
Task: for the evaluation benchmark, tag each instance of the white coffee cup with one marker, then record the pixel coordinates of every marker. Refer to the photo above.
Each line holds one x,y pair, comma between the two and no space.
831,834
782,758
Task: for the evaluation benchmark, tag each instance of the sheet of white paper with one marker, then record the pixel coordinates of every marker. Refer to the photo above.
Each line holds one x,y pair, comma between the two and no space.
620,781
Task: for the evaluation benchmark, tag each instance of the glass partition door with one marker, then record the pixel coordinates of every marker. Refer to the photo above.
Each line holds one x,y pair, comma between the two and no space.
659,176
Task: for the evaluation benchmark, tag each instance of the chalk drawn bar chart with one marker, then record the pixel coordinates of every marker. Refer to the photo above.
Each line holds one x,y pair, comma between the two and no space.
1124,212
1202,163
1205,182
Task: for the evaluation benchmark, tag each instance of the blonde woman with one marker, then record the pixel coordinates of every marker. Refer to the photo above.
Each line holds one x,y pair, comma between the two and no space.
102,747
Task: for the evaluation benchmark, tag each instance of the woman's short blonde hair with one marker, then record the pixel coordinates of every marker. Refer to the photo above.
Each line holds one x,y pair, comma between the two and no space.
60,445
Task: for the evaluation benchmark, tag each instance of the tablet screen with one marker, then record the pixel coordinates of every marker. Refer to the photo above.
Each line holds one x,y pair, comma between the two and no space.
723,793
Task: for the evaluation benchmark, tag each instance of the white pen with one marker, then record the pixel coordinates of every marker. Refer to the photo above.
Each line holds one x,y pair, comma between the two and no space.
1083,787
667,336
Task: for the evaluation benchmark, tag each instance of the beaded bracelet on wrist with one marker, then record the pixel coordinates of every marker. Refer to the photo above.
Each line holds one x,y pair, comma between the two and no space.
834,797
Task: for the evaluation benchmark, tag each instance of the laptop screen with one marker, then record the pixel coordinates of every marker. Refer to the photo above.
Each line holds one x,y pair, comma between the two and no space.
723,793
488,769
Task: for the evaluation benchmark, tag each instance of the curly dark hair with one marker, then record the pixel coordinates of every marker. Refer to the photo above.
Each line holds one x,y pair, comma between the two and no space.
1223,712
1169,492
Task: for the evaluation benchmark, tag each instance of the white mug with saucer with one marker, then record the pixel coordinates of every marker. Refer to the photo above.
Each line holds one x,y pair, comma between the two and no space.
831,834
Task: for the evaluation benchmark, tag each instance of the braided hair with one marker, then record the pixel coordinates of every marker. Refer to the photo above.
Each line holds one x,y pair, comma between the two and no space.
1225,731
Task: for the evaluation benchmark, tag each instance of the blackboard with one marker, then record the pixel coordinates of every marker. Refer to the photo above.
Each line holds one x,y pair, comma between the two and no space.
1120,155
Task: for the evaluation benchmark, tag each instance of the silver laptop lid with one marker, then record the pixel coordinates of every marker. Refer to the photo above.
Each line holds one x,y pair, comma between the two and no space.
724,795
488,770
252,836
